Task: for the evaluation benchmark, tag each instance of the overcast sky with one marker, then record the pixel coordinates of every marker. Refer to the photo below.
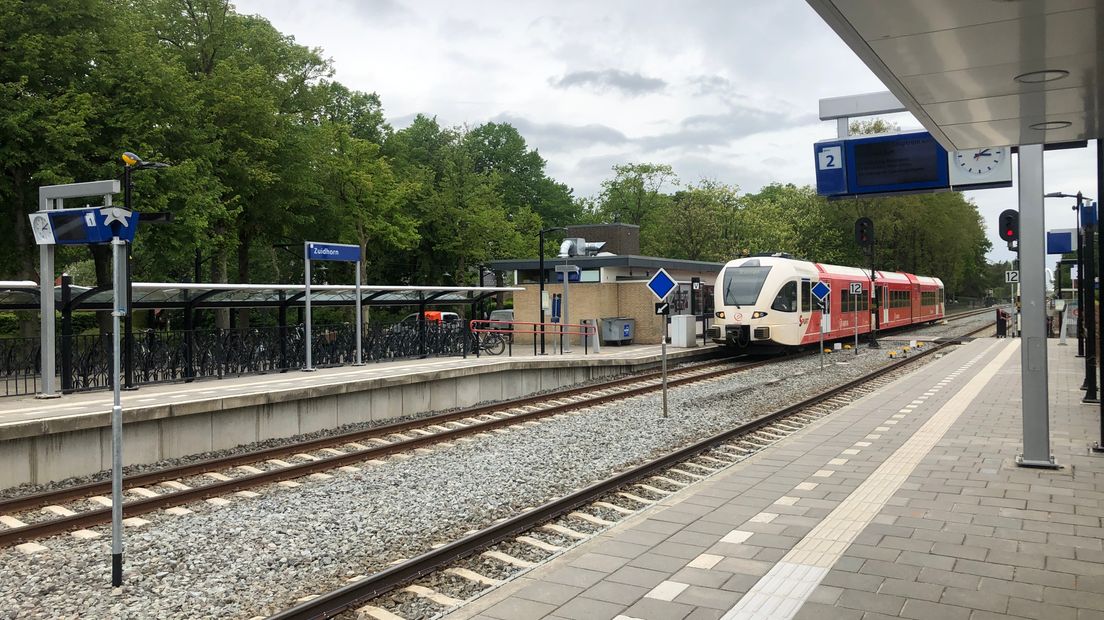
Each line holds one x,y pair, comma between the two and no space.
720,89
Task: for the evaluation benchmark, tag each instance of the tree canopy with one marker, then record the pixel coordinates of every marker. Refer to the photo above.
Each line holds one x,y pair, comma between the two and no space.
267,148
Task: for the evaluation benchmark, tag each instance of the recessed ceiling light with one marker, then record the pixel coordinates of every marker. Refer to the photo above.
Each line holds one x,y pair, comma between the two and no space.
1050,125
1046,75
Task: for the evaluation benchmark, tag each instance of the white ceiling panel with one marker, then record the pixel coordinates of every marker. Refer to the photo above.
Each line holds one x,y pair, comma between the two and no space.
894,18
997,80
953,64
1018,131
1046,36
1006,107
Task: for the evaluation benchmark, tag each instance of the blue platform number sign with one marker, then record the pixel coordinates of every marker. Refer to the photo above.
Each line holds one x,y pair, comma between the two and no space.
333,251
821,291
831,176
661,284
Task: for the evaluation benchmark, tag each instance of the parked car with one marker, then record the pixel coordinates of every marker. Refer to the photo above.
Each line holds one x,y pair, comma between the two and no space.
501,319
432,317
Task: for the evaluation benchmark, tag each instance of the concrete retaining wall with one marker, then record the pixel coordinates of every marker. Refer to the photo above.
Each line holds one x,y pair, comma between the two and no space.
55,449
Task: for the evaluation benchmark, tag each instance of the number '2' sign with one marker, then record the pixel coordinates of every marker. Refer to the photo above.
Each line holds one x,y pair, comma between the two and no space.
830,158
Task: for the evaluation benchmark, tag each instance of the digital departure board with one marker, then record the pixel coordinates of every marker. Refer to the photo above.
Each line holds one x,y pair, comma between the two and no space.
890,162
884,164
895,163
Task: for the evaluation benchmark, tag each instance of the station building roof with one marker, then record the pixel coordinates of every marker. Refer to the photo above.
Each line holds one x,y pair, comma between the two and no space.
598,262
24,295
980,74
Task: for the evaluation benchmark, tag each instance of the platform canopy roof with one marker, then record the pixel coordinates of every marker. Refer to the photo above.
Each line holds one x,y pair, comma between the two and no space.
980,73
23,295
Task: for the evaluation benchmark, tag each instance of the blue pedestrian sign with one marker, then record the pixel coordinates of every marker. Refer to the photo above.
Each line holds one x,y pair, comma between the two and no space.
333,251
821,290
661,284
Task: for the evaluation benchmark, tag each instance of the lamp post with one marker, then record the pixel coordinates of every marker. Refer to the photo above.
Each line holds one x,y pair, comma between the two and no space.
131,162
1086,302
540,277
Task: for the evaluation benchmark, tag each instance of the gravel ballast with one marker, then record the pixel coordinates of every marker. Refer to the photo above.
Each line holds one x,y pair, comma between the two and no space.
256,556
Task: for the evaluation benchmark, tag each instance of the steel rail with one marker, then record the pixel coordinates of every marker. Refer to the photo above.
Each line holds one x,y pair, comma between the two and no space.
90,518
132,508
378,584
37,500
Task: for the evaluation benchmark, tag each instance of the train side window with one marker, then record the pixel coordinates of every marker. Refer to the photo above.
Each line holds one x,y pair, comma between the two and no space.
806,296
786,300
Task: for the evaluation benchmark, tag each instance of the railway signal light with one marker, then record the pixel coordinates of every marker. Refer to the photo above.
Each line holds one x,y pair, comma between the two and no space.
1008,225
864,232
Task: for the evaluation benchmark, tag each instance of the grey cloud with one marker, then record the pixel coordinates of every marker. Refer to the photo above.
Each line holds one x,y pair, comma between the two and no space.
559,136
381,11
632,84
717,129
706,85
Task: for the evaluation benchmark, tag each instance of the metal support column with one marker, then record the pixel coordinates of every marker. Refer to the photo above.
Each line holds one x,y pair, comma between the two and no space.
189,343
1033,348
1098,446
66,334
1090,315
308,341
1080,288
46,321
281,322
128,323
422,329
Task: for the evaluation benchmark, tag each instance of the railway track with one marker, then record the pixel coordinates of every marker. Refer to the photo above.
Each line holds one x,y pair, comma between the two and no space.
76,508
446,576
44,514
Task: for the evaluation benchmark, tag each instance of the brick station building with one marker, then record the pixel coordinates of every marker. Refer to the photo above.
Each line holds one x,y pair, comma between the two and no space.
609,285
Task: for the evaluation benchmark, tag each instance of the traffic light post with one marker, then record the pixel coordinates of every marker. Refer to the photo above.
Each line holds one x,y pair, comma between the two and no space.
864,236
1008,227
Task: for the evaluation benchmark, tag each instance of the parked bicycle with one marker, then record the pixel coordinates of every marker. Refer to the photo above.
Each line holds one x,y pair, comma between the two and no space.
490,343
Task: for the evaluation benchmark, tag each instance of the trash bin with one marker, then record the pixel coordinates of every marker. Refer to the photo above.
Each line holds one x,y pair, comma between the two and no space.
618,330
684,331
594,339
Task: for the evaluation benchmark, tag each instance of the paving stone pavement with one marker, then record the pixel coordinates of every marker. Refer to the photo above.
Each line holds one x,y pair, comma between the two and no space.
905,504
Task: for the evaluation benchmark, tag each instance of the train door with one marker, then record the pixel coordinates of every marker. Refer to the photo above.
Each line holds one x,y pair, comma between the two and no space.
884,305
807,316
914,305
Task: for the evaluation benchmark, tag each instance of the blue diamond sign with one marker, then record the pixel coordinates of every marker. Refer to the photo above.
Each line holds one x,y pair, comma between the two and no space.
821,290
661,284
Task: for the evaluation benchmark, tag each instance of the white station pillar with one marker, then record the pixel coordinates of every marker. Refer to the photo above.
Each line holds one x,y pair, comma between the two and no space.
1033,349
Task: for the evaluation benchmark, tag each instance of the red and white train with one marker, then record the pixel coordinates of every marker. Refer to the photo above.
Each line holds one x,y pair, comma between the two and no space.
767,301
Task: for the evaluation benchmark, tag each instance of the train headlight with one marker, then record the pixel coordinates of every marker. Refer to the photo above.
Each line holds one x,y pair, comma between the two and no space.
719,314
758,315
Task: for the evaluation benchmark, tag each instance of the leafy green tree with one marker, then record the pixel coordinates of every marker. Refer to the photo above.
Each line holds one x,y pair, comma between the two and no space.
498,148
635,191
693,224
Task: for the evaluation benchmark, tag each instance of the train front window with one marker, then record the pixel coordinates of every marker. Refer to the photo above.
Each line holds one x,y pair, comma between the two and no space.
786,301
742,285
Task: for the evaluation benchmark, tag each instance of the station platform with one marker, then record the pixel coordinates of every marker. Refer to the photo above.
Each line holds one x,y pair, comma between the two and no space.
43,440
907,503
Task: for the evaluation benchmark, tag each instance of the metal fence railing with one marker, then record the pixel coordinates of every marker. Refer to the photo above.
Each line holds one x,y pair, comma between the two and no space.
162,356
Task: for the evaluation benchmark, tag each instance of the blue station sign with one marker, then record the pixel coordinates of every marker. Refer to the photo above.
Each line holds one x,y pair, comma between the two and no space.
333,252
87,226
1061,241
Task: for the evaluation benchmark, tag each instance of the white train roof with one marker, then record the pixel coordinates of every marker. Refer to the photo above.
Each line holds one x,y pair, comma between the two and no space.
814,270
